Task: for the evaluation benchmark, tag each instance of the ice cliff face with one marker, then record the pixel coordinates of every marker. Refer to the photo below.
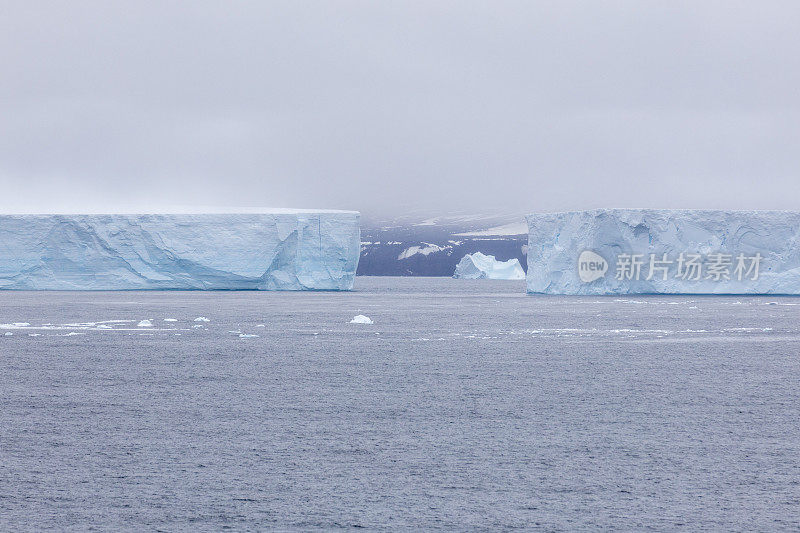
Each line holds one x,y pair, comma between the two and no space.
282,250
480,266
620,251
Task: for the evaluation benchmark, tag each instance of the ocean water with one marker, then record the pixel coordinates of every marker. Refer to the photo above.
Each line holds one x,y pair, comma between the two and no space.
466,405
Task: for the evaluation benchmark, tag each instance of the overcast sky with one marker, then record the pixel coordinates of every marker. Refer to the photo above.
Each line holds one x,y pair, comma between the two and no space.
387,106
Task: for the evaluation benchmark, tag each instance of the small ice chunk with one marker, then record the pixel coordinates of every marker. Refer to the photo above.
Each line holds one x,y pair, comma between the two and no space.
145,324
8,333
202,319
247,335
260,326
170,320
34,334
361,319
21,324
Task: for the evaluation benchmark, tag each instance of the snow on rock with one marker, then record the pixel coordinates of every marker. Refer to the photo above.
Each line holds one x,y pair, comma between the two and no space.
640,251
275,250
480,266
427,249
361,319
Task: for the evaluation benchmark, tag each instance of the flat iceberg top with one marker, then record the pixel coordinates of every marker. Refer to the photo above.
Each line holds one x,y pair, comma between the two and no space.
667,251
625,212
188,210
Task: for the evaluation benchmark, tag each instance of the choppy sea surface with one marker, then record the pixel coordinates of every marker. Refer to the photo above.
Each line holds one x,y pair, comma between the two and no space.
466,405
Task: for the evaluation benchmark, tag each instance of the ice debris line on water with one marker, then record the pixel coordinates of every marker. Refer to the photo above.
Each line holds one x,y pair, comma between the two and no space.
608,238
269,250
480,266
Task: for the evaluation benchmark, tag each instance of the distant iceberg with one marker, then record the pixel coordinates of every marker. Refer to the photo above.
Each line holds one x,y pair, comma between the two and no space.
270,250
480,266
640,251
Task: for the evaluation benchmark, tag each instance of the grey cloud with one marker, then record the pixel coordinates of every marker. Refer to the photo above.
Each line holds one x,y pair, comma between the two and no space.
386,106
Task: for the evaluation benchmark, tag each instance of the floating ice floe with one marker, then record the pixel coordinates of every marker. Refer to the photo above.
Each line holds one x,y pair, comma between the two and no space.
361,319
170,320
198,326
247,336
8,334
15,325
260,326
145,324
202,319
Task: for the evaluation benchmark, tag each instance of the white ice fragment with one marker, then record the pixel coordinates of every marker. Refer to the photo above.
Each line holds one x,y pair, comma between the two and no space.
170,320
260,326
247,336
198,326
145,324
361,319
8,334
202,319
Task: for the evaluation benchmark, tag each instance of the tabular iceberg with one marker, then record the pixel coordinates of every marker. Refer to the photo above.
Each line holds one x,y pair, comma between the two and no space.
627,251
269,250
480,266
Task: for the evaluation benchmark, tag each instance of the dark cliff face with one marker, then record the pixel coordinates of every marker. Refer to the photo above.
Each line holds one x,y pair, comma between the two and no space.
432,246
